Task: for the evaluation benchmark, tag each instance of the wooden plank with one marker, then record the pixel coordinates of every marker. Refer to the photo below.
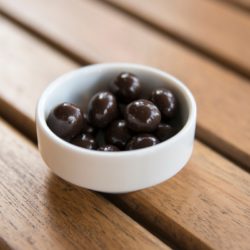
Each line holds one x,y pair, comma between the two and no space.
35,66
220,94
206,205
213,27
41,211
209,199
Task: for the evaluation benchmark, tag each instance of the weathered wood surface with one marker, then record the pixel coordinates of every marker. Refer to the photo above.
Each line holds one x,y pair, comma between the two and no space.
204,206
40,211
211,26
220,94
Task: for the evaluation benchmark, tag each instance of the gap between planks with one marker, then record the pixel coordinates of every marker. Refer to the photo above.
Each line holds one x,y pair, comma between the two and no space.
60,47
187,172
41,211
129,206
202,135
26,126
123,7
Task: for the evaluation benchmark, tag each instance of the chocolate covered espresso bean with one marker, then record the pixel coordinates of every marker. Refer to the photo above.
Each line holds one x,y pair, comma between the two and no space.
142,116
118,133
126,87
65,120
166,102
102,109
142,141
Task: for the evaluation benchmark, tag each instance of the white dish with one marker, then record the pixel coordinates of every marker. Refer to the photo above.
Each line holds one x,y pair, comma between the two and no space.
113,172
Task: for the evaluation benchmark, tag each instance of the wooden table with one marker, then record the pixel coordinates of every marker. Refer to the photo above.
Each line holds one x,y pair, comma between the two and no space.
204,43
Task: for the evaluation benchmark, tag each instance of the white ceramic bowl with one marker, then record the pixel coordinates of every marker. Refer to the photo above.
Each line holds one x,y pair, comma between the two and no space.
113,172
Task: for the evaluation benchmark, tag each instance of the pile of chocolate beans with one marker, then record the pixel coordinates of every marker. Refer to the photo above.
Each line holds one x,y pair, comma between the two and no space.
119,118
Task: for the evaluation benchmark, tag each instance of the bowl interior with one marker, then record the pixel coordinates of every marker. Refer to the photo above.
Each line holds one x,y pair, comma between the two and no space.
78,87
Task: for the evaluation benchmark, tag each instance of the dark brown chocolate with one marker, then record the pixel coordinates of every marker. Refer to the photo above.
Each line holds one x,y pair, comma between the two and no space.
87,128
142,141
166,102
165,131
65,120
84,141
142,116
119,120
126,87
118,134
108,148
102,109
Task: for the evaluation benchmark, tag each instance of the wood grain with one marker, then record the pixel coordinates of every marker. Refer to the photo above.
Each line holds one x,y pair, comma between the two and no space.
41,211
205,206
27,66
220,94
208,199
199,23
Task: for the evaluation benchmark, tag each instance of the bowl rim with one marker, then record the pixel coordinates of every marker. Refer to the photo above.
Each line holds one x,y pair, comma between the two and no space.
41,104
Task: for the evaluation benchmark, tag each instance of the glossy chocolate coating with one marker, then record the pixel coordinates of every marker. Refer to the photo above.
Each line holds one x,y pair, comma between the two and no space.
166,102
118,133
142,116
84,141
126,87
142,141
102,109
165,131
87,128
108,148
65,120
